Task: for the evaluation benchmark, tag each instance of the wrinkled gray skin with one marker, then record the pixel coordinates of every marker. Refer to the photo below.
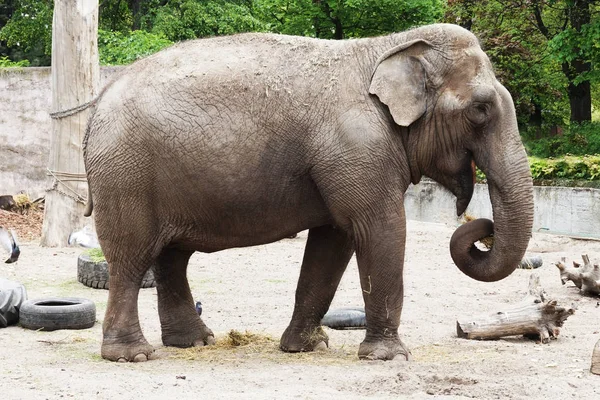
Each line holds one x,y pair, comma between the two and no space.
244,140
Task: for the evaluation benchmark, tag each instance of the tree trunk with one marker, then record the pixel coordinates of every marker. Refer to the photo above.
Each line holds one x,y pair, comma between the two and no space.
136,14
580,96
75,81
535,316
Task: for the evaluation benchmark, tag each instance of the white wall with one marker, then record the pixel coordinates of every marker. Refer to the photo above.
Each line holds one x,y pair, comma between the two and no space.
25,128
572,211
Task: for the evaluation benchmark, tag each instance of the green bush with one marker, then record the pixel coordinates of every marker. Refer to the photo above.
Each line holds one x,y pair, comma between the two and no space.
577,139
563,171
568,167
6,63
116,48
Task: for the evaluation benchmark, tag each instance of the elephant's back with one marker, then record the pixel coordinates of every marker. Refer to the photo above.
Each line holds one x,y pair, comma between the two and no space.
235,65
214,84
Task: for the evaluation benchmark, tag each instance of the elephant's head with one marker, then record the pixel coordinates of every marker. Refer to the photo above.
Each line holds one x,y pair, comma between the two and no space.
441,87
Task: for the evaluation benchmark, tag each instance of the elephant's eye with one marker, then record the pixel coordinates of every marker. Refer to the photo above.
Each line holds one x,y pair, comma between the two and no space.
479,113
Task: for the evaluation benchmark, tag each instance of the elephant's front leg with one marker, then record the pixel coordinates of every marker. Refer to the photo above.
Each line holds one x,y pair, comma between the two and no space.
328,251
380,255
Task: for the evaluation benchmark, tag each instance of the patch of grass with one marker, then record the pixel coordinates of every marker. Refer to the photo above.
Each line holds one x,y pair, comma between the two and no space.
96,255
275,280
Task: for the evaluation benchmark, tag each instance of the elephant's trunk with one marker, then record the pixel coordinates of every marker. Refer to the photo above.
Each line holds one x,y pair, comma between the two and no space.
511,194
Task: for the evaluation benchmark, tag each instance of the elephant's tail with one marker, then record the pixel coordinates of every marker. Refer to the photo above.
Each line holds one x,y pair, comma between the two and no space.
89,206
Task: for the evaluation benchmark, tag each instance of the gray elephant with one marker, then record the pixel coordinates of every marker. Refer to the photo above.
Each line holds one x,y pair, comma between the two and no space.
244,140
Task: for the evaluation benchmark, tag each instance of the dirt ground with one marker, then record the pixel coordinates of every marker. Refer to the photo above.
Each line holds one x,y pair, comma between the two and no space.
253,289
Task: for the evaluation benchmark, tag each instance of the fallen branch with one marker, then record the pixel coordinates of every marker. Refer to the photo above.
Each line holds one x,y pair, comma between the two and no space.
596,359
535,315
586,277
569,273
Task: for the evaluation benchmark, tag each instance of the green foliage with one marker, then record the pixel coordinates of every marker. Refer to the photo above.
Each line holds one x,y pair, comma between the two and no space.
6,63
190,19
520,55
96,255
570,45
116,48
28,31
568,167
577,139
337,19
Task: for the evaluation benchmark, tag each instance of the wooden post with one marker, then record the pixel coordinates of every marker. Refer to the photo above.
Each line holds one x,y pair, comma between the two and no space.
75,82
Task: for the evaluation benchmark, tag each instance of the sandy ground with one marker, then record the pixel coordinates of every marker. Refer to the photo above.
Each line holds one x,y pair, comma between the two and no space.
253,289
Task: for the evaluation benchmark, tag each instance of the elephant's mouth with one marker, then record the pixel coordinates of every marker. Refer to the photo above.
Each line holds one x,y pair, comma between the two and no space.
466,185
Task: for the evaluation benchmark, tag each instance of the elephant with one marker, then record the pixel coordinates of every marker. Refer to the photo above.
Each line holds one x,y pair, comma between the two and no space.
247,139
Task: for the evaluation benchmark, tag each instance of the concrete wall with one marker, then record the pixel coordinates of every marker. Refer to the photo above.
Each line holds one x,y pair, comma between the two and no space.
25,134
25,128
569,211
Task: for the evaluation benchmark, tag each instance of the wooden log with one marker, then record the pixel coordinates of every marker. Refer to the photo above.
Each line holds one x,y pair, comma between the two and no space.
590,276
535,315
596,359
569,273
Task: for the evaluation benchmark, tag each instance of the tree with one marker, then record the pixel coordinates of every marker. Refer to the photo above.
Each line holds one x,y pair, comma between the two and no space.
575,18
555,34
25,30
339,19
190,19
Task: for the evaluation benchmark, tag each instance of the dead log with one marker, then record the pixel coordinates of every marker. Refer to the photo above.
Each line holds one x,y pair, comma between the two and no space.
590,276
569,273
586,277
535,315
596,359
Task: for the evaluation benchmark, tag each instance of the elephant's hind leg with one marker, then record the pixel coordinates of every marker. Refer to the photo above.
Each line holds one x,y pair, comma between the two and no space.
123,339
181,325
328,251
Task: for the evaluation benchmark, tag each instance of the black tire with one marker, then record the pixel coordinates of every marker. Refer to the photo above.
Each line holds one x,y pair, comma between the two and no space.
95,274
52,313
345,318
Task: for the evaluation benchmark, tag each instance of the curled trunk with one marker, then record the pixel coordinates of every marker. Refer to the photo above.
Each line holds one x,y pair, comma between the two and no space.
511,194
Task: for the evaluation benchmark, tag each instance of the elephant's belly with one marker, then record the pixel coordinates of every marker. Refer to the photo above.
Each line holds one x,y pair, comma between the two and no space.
245,222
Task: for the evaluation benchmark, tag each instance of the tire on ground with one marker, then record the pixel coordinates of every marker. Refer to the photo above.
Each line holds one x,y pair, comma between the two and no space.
345,318
95,274
53,313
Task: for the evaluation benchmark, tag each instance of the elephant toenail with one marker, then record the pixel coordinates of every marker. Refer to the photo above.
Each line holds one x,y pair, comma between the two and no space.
140,358
122,360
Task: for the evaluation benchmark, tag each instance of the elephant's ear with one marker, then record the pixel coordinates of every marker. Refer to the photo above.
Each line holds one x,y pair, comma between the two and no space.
399,81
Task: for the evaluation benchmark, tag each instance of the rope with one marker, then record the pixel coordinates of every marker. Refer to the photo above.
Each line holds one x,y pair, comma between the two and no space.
72,111
67,176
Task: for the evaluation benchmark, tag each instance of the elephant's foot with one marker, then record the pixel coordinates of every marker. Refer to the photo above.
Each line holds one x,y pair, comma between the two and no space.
191,337
386,349
132,351
295,340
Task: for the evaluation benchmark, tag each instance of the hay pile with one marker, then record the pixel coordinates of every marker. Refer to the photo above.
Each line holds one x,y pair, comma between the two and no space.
236,346
28,227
